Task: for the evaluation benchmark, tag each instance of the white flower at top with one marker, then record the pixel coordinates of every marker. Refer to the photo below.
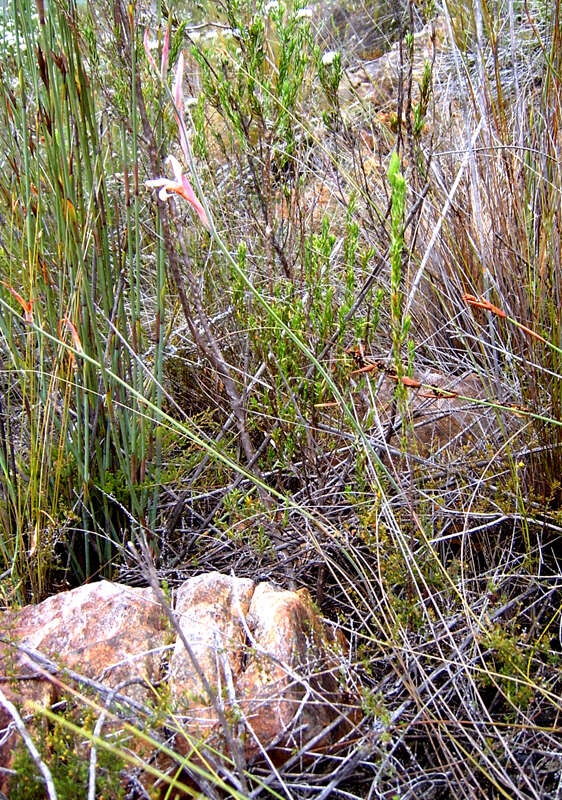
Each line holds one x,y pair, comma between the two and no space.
329,57
273,5
304,13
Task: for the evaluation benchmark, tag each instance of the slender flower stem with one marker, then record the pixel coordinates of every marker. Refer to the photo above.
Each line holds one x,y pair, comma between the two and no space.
484,304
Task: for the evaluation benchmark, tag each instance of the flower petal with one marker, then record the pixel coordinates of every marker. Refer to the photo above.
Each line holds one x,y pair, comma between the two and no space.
156,182
165,51
183,142
178,85
176,168
147,49
180,186
74,333
189,195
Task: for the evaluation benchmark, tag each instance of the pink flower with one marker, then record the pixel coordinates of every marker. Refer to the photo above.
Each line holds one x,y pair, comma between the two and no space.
178,105
180,185
178,88
147,50
165,51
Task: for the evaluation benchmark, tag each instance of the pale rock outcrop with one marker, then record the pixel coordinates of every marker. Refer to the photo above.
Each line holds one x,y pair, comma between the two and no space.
106,632
296,696
263,650
266,655
376,81
443,412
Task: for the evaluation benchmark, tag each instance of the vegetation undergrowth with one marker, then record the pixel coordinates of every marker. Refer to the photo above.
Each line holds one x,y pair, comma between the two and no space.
280,293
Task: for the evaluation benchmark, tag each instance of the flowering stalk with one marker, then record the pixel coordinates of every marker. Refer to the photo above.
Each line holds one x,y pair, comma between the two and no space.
65,321
178,104
165,52
27,305
481,302
484,304
180,185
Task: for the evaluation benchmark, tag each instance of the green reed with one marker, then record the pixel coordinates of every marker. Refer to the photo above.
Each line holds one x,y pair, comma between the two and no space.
85,467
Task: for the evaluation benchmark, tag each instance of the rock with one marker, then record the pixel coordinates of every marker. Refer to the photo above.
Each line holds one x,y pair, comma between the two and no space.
104,631
211,609
376,81
270,660
266,652
294,696
444,412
